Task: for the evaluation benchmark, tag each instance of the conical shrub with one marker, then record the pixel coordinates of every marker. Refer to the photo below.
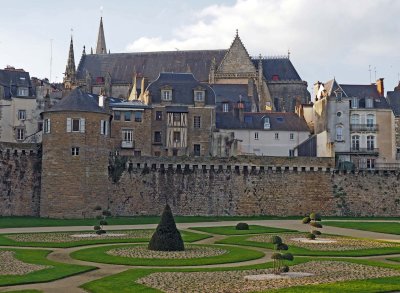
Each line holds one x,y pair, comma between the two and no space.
166,237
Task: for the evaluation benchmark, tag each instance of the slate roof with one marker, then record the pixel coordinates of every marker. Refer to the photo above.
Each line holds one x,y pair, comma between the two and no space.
393,97
233,93
365,91
182,85
282,67
278,121
12,79
122,66
135,104
78,101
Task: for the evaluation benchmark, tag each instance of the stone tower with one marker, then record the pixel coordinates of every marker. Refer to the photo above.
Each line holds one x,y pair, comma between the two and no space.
70,71
76,141
101,40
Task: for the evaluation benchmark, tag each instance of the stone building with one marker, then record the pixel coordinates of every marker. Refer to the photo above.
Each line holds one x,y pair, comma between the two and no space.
393,98
183,115
277,83
76,146
19,118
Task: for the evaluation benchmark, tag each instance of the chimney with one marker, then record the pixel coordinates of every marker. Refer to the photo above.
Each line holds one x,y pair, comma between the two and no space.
240,111
380,88
101,101
250,87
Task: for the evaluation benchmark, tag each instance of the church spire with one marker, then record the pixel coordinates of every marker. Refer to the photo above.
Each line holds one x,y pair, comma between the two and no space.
101,41
70,71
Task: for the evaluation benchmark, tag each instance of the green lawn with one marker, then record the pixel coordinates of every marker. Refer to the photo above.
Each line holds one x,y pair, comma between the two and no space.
125,282
242,240
5,241
57,271
24,291
99,254
386,227
231,230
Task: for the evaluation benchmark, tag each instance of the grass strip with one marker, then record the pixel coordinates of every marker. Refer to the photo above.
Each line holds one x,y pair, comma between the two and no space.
380,227
231,230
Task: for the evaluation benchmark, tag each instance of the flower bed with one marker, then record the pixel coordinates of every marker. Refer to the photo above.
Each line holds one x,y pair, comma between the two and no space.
191,251
234,281
9,265
338,243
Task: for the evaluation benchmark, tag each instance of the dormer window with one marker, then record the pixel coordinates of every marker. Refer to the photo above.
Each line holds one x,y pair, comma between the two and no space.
267,125
369,103
23,92
339,95
166,95
354,103
199,96
225,107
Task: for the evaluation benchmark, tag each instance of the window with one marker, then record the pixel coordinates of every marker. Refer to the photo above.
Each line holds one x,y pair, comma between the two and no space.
291,136
370,163
46,125
138,116
177,136
355,119
21,114
256,135
166,95
76,125
370,120
291,153
158,115
196,150
225,107
196,122
157,136
339,133
199,96
104,127
354,103
75,151
20,134
127,116
275,77
339,114
267,125
177,117
276,135
369,103
174,152
127,135
23,92
355,142
117,115
370,142
137,153
339,95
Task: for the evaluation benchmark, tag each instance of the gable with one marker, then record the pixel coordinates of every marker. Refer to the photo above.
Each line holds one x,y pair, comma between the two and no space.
236,60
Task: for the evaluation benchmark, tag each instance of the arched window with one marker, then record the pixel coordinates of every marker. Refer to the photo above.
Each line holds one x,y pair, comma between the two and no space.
370,142
370,120
355,119
355,142
339,133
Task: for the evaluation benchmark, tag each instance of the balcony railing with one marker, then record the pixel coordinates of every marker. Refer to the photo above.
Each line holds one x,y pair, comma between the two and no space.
125,144
365,150
364,127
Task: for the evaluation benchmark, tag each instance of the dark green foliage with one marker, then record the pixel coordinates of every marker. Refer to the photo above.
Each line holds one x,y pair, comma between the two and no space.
316,225
103,222
310,236
313,216
116,167
281,246
276,256
276,240
306,220
316,232
101,231
97,228
242,226
284,269
166,237
288,256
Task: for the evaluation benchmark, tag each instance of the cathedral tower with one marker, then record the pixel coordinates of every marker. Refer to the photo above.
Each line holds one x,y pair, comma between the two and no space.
101,40
70,71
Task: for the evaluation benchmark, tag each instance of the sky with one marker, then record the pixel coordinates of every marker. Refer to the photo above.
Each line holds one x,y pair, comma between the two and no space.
327,39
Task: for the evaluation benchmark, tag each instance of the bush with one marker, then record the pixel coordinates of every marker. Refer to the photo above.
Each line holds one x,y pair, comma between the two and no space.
316,225
288,256
276,240
101,231
242,226
97,228
284,269
306,220
316,232
310,236
281,246
313,216
318,217
166,237
103,222
276,256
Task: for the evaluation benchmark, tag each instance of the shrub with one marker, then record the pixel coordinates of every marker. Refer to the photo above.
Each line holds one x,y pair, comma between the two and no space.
306,220
166,237
276,240
103,222
313,216
282,246
288,256
310,236
316,232
284,269
101,231
97,228
276,256
316,225
242,226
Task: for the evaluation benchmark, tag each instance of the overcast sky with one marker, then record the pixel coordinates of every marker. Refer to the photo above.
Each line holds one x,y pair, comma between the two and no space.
326,38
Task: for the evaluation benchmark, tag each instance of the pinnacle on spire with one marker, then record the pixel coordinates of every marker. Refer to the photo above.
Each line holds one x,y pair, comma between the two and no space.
70,71
84,50
101,41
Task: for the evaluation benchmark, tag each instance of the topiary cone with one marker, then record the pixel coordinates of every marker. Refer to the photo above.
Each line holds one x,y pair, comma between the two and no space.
166,237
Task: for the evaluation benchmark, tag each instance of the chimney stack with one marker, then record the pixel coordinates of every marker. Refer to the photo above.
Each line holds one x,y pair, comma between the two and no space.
380,88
